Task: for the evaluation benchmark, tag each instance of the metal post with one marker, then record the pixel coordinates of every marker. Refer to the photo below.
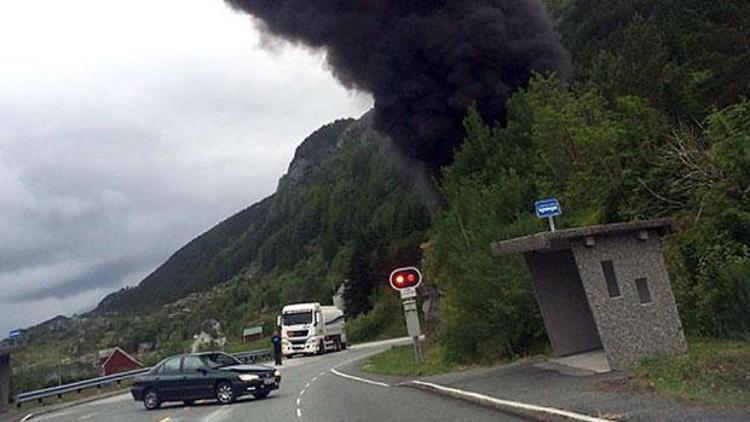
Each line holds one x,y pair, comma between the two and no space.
412,326
417,350
57,365
4,381
551,223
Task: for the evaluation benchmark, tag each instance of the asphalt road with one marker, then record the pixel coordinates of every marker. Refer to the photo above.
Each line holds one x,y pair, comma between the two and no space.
309,392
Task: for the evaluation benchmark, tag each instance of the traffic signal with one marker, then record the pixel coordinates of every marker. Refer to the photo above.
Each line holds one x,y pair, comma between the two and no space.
403,278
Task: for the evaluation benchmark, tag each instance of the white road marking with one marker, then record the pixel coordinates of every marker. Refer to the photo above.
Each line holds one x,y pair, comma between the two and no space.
314,379
307,385
91,415
299,413
27,417
352,377
53,415
508,403
302,393
299,400
217,415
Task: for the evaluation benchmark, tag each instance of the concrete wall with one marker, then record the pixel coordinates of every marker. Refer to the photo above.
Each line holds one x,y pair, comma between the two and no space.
630,330
4,382
562,300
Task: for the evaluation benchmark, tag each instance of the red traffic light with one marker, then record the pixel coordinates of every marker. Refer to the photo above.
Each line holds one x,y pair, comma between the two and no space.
403,278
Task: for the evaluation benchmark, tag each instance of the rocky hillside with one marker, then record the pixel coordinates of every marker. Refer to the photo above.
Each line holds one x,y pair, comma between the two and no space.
340,187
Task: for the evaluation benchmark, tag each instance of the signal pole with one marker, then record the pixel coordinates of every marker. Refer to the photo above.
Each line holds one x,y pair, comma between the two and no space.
412,324
406,280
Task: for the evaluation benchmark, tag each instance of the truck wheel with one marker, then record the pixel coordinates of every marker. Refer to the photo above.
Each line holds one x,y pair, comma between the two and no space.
343,346
224,392
321,347
151,400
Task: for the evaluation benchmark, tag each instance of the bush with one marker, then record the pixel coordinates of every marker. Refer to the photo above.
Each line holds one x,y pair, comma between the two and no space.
384,321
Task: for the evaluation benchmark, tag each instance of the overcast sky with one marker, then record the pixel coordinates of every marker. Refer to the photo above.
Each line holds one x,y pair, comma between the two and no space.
129,127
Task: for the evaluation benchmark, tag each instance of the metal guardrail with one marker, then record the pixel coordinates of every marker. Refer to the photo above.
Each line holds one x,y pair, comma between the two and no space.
76,386
254,356
39,395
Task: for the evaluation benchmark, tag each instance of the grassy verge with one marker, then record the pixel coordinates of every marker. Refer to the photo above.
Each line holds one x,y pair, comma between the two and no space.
399,360
712,372
238,346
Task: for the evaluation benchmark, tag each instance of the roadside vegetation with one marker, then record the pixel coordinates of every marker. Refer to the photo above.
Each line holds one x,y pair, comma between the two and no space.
652,122
383,322
399,360
713,371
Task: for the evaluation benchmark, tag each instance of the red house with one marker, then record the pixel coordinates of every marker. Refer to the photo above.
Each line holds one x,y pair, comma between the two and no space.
117,360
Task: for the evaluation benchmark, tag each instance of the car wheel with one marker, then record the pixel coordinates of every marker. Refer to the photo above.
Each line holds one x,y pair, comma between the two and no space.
189,402
151,400
261,394
224,392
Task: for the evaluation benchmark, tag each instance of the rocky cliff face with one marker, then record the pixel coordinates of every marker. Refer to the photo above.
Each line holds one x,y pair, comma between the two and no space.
232,246
315,148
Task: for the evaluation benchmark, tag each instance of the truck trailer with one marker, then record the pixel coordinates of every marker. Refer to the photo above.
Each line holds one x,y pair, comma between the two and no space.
309,328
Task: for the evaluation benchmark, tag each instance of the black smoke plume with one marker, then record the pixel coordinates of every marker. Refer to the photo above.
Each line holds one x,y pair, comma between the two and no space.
424,61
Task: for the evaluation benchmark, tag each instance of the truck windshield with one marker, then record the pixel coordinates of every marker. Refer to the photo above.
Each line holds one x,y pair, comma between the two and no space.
298,318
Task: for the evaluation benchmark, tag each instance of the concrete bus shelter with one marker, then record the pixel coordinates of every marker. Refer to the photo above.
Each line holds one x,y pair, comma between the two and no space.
604,288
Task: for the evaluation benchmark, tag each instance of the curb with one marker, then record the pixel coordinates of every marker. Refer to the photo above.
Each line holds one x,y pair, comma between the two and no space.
55,408
529,411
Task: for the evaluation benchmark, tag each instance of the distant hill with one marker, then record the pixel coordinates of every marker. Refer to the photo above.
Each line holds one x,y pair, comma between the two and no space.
338,184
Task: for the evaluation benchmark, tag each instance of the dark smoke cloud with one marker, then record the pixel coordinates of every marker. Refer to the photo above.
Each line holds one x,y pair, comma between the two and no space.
424,61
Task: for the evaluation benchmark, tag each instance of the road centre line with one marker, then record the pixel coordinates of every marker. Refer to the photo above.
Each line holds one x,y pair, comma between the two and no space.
299,413
352,377
477,397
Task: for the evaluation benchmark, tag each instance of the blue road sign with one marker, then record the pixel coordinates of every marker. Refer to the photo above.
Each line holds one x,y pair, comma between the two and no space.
14,334
548,208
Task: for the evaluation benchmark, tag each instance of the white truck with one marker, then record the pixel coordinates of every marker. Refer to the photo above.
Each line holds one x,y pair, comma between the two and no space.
309,328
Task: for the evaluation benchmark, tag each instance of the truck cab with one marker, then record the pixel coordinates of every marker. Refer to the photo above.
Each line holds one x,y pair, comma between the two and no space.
309,328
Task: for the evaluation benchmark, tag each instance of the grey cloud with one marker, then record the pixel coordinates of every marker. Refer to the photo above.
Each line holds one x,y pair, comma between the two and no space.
110,274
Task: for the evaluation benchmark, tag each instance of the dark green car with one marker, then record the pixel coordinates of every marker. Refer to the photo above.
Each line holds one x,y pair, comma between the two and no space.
199,376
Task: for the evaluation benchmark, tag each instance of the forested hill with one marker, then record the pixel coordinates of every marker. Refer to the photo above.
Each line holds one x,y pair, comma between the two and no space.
338,192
